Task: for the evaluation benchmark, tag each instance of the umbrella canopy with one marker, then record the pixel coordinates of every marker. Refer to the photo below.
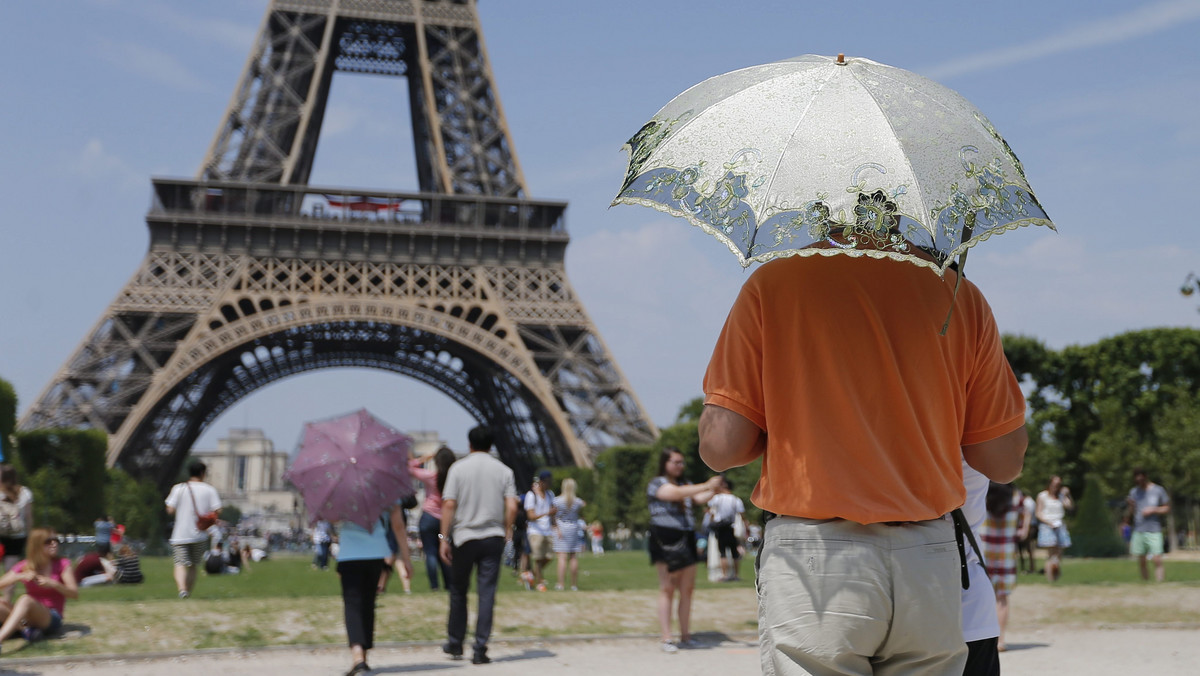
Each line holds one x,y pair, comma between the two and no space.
351,468
871,159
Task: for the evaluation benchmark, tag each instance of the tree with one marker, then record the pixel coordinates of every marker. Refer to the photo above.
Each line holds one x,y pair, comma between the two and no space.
1093,532
690,412
8,418
1105,407
231,514
65,469
137,505
618,495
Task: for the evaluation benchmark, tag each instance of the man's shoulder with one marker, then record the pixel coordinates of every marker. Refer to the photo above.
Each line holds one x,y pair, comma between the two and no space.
483,462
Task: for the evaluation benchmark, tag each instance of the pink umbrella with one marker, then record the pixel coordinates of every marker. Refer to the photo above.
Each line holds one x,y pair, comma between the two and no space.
351,468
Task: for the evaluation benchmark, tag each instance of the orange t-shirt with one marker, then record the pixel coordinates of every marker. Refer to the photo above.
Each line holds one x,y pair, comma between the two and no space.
866,407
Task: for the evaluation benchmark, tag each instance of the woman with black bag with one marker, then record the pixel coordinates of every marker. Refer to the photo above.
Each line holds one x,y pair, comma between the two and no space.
672,542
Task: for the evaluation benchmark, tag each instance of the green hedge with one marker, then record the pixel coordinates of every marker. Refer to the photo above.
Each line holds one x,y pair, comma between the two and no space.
1093,531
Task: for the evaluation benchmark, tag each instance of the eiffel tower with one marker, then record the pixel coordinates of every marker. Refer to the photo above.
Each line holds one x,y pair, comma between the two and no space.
252,275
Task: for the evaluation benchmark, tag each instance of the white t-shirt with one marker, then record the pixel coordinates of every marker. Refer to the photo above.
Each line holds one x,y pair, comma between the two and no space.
542,525
207,500
25,505
979,619
726,507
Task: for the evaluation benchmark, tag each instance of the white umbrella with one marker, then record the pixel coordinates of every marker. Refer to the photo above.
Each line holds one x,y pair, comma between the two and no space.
870,159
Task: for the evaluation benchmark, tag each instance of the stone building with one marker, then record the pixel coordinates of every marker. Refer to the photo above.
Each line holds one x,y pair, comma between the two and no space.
247,471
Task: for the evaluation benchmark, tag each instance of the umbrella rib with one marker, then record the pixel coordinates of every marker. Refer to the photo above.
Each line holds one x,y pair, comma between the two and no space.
713,104
924,205
792,135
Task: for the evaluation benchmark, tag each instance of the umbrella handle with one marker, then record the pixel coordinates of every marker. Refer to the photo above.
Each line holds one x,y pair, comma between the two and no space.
968,226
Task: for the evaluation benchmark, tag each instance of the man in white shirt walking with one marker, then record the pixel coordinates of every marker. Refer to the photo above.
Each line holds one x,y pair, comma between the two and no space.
186,502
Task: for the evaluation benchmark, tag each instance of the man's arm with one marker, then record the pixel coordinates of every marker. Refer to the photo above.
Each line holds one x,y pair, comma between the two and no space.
999,459
510,516
1164,508
729,439
448,507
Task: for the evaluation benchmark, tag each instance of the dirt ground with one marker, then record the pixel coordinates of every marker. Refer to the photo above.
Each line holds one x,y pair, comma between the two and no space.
1061,651
1064,631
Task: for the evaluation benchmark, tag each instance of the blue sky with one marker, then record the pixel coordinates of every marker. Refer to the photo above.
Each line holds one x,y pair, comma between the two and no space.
1099,100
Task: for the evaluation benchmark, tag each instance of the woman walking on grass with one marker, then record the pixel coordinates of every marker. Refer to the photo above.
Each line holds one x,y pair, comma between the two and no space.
49,582
673,541
1001,530
568,534
1052,507
430,524
361,556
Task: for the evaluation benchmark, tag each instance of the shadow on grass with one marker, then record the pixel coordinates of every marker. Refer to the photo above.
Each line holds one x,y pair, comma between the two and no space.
69,631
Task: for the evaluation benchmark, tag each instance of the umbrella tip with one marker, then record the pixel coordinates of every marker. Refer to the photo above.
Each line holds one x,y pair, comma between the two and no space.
841,60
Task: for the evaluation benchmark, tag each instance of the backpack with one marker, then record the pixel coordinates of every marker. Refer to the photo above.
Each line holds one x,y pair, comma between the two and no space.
12,521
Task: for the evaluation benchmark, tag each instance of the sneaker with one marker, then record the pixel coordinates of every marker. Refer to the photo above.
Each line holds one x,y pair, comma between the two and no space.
31,634
690,644
453,652
541,586
480,658
668,647
574,588
558,587
184,594
360,668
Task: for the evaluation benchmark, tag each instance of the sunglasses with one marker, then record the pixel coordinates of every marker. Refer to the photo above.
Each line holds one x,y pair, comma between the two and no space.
53,541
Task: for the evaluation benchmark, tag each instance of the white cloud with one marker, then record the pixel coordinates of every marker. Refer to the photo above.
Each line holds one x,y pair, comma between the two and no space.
1063,290
1140,22
230,34
95,163
150,63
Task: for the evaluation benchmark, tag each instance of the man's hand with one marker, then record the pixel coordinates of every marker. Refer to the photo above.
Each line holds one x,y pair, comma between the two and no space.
444,553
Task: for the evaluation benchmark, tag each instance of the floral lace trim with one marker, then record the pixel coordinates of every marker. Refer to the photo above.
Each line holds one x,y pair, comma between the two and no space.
745,261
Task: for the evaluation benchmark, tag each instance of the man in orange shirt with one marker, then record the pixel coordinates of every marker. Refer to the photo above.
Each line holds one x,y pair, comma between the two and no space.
833,370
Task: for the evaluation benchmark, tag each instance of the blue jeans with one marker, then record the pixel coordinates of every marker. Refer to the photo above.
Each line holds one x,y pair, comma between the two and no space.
429,526
484,555
321,558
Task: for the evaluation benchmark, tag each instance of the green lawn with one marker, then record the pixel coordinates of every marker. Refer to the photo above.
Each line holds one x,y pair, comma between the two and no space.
284,602
1113,571
292,577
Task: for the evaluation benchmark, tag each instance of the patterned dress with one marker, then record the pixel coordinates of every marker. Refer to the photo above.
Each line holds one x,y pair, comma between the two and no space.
998,539
570,537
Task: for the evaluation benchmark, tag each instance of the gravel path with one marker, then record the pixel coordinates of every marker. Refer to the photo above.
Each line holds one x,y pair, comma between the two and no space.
1059,651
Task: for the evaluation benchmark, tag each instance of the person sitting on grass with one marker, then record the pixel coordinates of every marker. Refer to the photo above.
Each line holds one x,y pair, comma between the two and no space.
128,566
49,582
94,568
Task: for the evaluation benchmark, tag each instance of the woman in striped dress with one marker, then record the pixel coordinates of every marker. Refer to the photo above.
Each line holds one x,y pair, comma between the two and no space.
998,538
568,534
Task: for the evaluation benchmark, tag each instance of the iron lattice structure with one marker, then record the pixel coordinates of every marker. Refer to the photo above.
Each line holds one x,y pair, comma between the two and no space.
253,276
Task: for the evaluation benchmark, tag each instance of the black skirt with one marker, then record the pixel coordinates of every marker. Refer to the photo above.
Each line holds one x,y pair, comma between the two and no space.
672,546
